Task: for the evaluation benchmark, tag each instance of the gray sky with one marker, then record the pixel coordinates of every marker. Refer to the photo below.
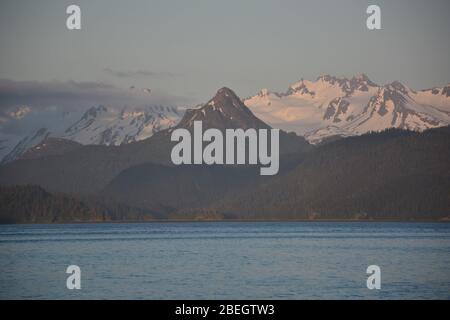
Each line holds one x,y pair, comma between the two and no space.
189,49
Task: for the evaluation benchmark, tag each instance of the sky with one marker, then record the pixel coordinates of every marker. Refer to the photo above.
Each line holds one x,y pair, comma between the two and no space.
186,50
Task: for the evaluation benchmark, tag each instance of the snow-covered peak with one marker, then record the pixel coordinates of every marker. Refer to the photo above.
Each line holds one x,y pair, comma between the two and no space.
443,91
26,143
94,112
114,127
19,112
331,86
302,87
264,92
100,125
398,86
339,106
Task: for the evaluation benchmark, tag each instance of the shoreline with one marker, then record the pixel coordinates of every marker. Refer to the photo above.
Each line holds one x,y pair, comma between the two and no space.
232,221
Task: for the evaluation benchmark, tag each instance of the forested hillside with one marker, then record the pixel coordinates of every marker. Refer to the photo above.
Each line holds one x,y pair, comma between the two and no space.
32,204
390,175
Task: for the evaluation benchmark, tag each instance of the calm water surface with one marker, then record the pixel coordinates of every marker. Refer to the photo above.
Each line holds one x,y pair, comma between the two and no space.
227,260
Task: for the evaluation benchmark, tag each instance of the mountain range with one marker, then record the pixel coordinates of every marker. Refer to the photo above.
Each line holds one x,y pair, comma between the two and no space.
333,107
98,126
328,108
63,166
393,174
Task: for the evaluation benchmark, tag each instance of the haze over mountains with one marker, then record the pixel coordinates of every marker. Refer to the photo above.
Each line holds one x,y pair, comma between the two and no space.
395,174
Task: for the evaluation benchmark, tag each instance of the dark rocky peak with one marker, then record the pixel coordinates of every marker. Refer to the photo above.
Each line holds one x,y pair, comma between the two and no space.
225,110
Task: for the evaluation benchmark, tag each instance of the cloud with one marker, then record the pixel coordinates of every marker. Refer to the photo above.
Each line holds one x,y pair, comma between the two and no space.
71,94
139,74
25,104
19,112
54,93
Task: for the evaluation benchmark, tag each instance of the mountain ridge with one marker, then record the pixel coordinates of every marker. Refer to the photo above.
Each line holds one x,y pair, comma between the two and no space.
88,169
391,175
329,107
101,125
332,106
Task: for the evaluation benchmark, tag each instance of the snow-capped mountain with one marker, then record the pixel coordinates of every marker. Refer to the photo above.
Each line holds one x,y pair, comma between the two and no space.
332,106
99,125
26,143
327,107
227,111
